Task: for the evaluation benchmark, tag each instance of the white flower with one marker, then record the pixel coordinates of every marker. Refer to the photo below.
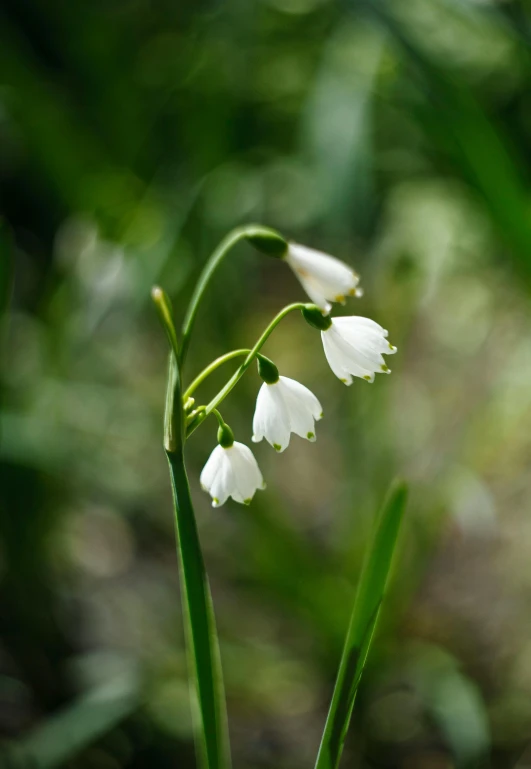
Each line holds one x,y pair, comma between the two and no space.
231,472
355,346
282,408
324,278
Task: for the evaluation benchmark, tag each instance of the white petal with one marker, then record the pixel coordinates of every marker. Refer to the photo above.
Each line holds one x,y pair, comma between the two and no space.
223,484
339,279
261,408
246,456
359,320
300,417
367,340
211,468
364,334
271,419
301,405
353,361
314,291
348,358
247,475
305,395
334,357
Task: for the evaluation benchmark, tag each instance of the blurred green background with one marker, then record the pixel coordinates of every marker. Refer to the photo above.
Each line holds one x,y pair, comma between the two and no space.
133,135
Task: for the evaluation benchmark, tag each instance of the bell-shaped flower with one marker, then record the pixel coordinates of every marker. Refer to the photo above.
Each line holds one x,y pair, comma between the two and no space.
231,471
355,346
284,407
324,278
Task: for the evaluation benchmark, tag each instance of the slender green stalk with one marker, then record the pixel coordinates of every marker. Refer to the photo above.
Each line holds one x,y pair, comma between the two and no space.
257,235
202,643
367,605
245,365
221,421
212,367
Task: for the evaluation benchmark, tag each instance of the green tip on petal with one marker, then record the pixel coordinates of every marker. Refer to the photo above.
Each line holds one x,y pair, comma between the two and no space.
384,368
247,501
321,415
310,436
215,500
277,447
367,378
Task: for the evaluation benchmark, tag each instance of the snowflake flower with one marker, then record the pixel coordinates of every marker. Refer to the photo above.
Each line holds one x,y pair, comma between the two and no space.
354,346
324,278
284,407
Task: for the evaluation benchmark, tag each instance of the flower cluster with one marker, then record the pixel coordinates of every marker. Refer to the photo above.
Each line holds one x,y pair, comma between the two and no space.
354,347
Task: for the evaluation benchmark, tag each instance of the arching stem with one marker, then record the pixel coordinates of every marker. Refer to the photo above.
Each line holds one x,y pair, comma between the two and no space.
212,367
263,238
222,394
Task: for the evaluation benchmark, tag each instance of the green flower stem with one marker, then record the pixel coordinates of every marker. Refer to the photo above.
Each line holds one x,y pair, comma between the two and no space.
245,365
251,232
202,645
221,421
210,368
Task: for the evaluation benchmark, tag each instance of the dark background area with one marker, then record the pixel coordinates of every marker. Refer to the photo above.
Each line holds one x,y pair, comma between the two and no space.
133,136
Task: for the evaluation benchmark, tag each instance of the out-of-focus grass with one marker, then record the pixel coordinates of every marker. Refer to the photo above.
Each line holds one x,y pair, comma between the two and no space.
133,137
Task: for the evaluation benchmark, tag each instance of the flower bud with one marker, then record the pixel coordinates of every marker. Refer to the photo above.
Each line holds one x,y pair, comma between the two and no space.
195,417
188,405
225,436
313,315
266,240
267,370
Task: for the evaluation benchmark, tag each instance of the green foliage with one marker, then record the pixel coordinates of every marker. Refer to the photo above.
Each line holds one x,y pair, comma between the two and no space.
366,610
80,724
212,739
133,136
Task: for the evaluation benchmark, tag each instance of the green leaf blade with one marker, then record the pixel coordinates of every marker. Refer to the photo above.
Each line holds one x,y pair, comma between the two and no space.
364,618
201,635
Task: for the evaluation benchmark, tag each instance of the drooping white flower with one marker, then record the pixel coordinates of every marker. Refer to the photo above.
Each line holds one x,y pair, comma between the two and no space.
324,278
355,346
231,472
282,408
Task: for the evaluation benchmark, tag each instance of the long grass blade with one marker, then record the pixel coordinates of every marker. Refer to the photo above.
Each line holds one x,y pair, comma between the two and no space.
212,742
201,632
367,605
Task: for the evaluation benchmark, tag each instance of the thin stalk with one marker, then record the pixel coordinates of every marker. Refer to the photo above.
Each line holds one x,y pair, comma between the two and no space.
235,378
234,237
200,378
